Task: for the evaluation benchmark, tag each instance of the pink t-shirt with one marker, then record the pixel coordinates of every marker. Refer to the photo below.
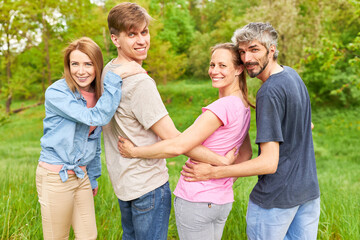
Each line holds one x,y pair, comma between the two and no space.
90,103
236,122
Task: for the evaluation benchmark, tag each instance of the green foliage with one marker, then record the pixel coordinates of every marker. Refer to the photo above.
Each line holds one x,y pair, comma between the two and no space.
328,78
161,70
160,51
199,55
178,26
318,38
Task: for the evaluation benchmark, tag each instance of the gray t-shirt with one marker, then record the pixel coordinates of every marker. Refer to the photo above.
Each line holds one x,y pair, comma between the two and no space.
140,107
283,114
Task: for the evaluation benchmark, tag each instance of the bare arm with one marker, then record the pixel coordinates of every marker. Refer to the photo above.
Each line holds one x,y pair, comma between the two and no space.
176,143
245,151
265,163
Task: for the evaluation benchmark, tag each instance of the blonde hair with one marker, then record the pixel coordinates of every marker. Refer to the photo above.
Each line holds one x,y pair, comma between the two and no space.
90,48
237,62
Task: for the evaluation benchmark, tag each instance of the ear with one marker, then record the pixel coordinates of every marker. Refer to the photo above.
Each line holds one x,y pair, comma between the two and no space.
115,39
239,70
272,51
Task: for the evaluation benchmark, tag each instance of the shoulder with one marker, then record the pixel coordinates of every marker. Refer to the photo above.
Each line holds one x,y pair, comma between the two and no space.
141,77
227,101
110,66
140,82
58,85
57,89
225,105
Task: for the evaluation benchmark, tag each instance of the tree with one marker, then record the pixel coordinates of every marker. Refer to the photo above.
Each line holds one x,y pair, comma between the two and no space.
17,32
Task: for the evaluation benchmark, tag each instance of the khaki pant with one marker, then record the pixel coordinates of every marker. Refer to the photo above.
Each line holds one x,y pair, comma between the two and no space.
65,204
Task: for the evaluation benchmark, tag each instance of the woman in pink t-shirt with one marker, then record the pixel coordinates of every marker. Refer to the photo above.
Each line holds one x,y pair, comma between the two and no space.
201,208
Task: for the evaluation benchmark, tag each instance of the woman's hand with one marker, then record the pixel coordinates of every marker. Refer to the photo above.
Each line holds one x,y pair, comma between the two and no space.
125,147
230,156
95,191
128,69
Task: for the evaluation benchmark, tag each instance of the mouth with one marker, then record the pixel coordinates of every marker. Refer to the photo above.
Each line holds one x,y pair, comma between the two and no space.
82,79
251,65
141,50
216,79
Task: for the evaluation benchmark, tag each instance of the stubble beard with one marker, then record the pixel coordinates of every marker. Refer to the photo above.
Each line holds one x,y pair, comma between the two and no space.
255,74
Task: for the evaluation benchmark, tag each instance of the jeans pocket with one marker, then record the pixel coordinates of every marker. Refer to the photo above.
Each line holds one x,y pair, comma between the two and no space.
145,203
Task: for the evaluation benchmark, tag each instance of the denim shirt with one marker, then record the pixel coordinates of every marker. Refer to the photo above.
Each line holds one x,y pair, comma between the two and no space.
66,139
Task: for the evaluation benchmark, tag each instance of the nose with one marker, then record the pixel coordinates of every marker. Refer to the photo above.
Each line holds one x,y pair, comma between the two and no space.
246,57
141,39
81,69
213,70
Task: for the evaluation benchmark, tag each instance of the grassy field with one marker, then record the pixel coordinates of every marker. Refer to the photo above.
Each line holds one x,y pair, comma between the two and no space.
336,138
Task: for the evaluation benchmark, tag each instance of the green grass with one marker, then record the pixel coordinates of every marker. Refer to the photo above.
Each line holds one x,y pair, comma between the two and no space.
336,138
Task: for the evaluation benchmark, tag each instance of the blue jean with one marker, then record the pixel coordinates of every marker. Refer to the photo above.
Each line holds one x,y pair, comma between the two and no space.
300,222
147,217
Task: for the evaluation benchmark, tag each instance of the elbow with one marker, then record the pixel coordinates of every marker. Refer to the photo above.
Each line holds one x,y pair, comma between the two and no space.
272,169
272,166
177,150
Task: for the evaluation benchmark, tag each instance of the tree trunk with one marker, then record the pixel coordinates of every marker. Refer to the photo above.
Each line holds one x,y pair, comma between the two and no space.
27,107
106,43
46,37
8,75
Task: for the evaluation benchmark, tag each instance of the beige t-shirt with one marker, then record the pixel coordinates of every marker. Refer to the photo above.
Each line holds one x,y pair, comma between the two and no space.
140,107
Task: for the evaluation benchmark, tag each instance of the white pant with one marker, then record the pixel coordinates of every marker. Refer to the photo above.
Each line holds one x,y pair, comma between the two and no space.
200,220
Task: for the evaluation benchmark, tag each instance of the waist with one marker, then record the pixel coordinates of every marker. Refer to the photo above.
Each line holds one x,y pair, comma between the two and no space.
57,168
218,191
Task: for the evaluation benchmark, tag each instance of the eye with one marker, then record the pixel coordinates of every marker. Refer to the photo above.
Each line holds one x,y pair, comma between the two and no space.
254,50
74,64
223,66
145,32
212,65
89,64
241,52
131,34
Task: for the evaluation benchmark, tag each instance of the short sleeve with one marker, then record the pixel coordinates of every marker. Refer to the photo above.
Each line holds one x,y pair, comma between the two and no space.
147,104
269,115
221,108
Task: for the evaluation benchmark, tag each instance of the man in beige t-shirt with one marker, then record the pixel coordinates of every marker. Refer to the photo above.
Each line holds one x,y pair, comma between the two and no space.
141,185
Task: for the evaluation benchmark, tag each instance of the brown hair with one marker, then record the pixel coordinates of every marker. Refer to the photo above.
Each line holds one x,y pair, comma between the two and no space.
125,16
237,62
90,48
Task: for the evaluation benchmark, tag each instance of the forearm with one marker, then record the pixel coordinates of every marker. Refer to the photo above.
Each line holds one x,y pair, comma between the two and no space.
253,167
163,149
203,154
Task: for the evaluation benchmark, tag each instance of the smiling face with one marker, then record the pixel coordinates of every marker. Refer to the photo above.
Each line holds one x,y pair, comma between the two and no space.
222,70
134,44
82,70
255,57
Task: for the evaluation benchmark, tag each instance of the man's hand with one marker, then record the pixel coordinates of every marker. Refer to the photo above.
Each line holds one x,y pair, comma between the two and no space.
128,69
95,191
195,171
126,147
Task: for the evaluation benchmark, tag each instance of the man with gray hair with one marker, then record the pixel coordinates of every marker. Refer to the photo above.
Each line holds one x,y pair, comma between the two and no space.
285,202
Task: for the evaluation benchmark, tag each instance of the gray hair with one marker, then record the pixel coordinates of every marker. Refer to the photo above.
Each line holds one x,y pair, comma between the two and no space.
262,32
